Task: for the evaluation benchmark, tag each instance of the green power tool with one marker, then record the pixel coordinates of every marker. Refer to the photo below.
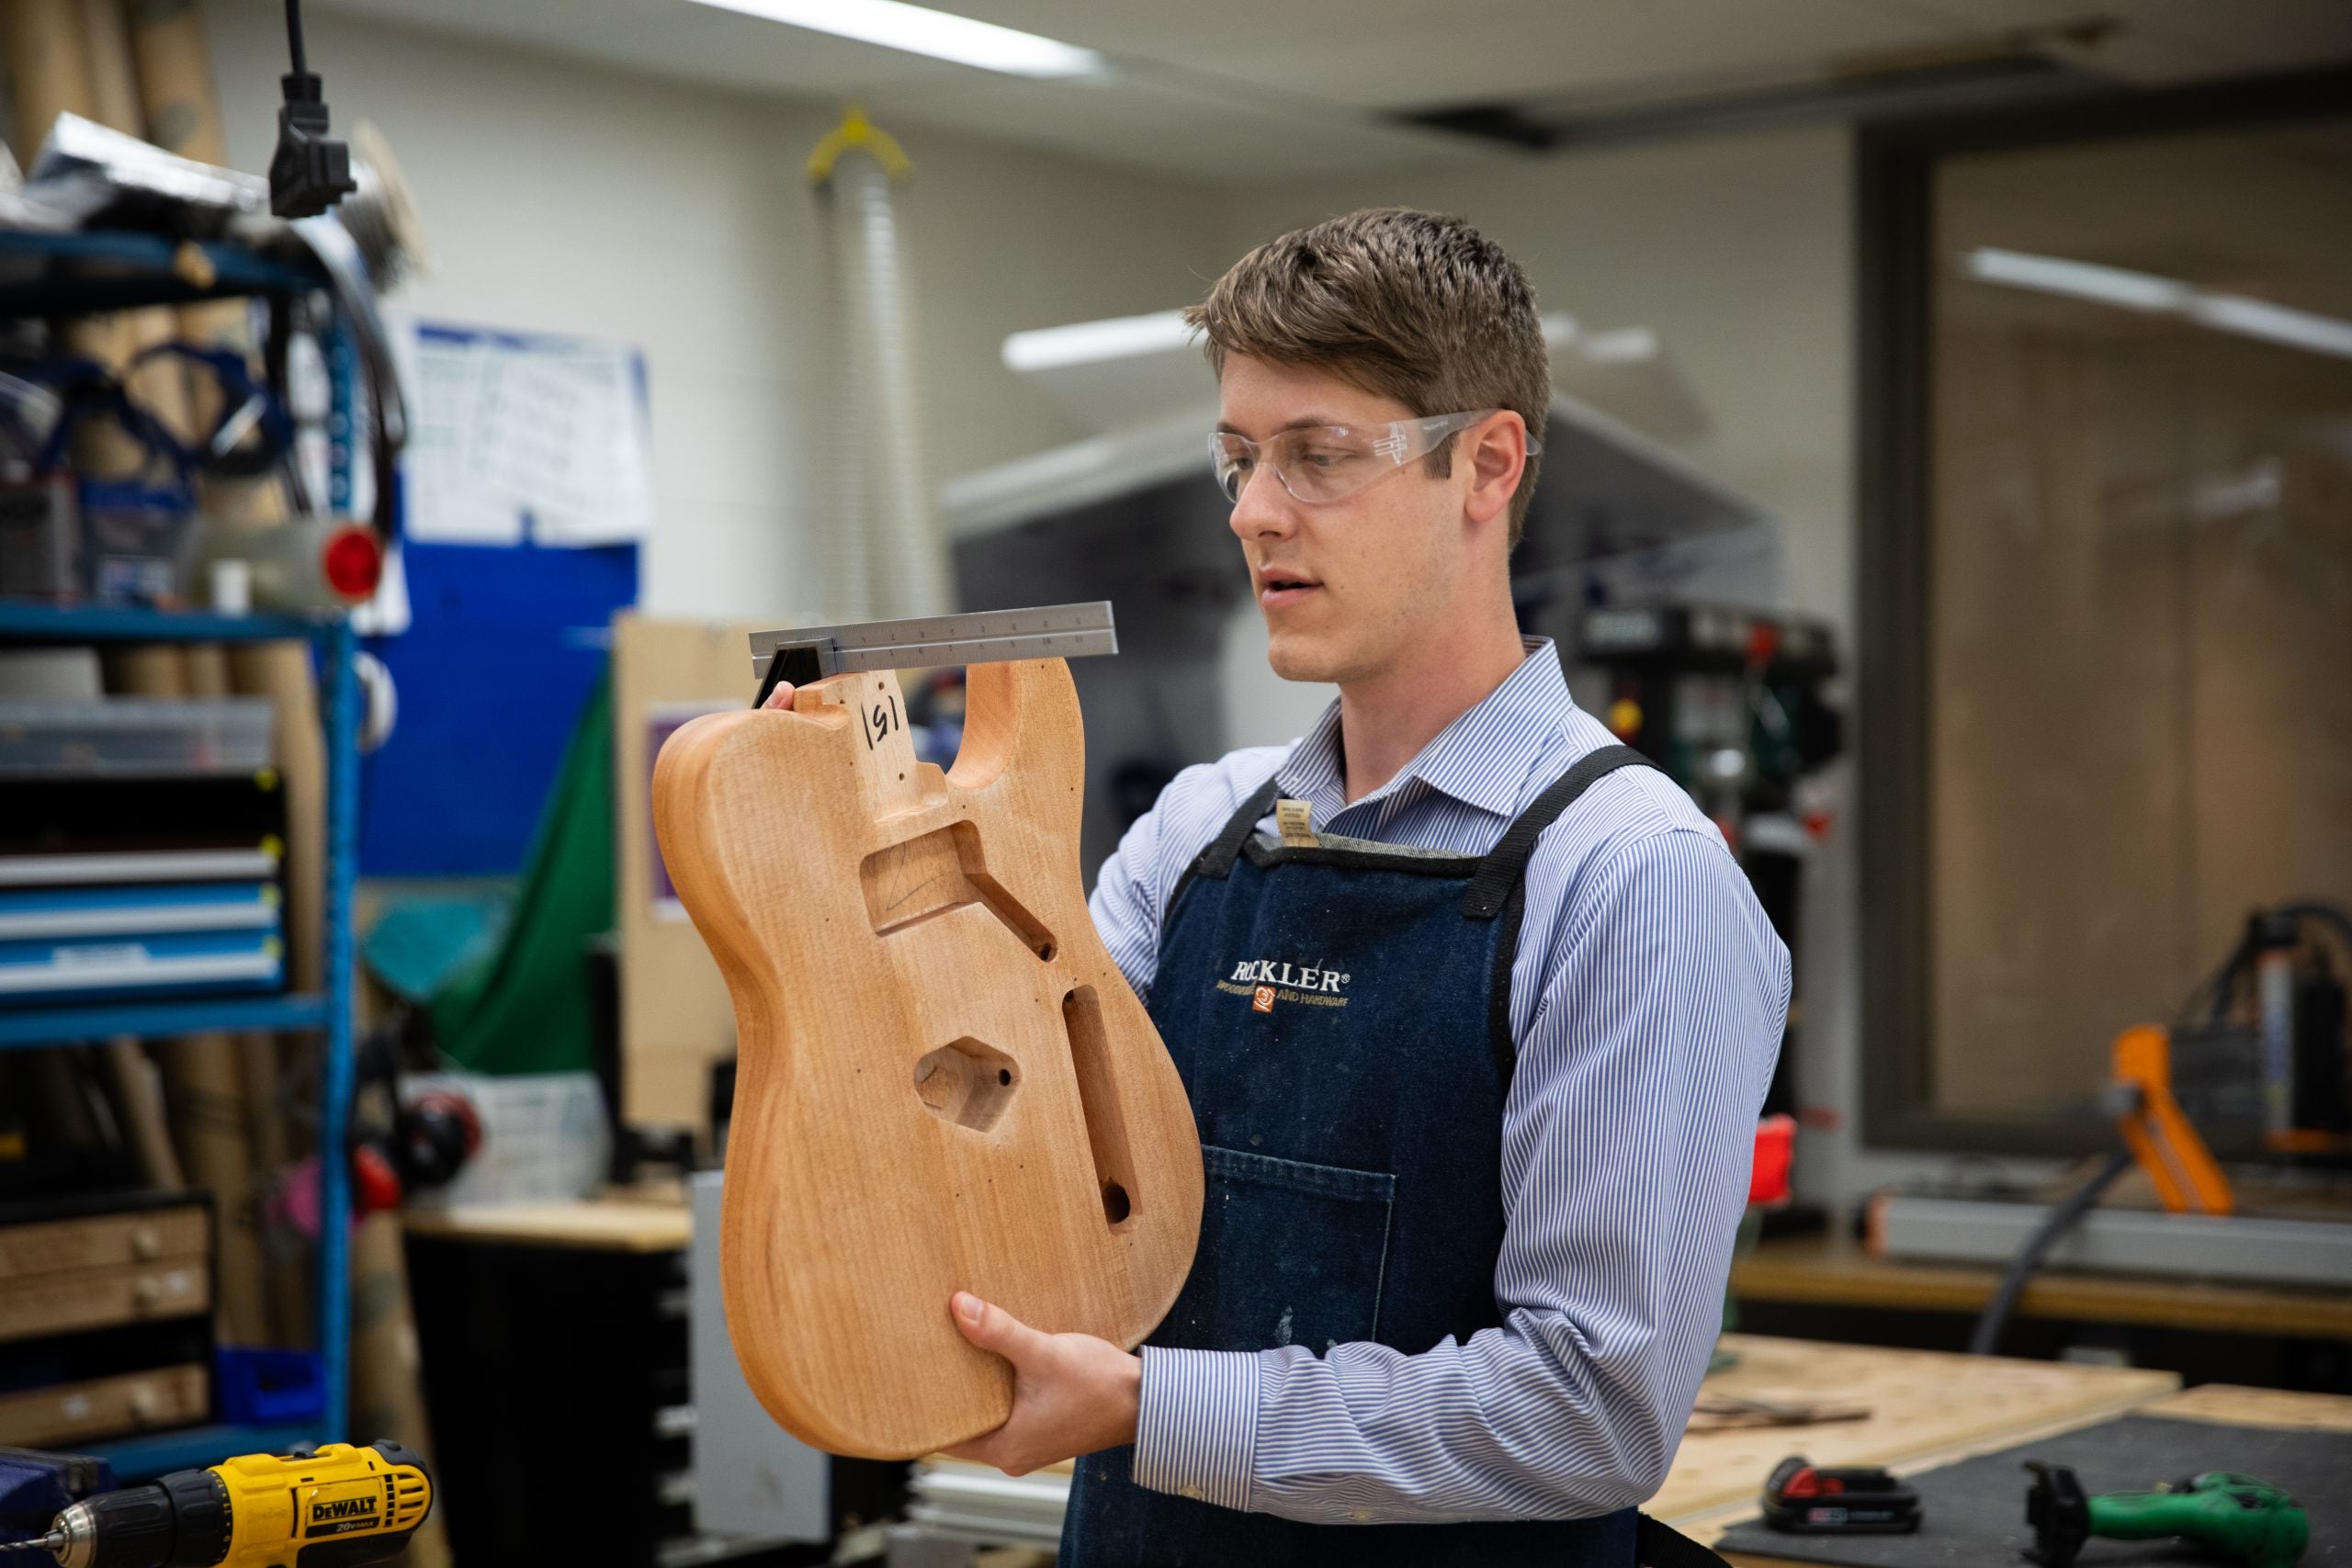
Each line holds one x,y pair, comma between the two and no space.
2245,1519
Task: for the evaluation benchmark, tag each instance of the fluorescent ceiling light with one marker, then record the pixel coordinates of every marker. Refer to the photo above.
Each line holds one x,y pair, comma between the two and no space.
2082,280
2163,297
919,30
1089,342
2278,323
1625,345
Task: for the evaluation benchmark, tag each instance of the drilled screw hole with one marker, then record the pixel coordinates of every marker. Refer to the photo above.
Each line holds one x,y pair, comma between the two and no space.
1046,953
1116,1206
1004,1074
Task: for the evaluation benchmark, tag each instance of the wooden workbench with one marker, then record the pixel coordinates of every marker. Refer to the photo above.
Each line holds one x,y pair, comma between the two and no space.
1929,1408
636,1221
1835,1271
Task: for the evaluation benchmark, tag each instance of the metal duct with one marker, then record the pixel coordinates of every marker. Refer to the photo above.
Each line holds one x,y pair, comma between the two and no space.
882,550
840,532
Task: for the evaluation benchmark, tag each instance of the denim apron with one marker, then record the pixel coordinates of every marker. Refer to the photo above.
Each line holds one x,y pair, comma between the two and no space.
1341,1019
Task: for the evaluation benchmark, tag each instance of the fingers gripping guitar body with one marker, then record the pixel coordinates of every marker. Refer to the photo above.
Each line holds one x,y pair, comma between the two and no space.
943,1083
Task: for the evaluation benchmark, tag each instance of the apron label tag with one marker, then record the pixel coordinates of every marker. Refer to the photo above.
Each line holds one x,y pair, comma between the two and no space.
1296,819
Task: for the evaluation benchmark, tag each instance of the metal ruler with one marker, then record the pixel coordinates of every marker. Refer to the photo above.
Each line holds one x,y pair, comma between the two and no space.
802,654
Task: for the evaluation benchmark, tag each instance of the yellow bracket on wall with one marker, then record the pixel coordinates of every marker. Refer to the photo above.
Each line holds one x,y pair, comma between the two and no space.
857,131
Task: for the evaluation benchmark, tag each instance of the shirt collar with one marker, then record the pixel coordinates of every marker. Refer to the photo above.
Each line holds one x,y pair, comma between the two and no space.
1482,758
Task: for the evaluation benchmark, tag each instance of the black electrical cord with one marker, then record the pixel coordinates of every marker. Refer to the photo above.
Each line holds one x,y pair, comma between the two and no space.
2325,914
2057,1223
294,37
310,171
2213,996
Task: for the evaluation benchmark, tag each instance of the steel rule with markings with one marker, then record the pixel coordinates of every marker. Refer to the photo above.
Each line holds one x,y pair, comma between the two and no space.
803,654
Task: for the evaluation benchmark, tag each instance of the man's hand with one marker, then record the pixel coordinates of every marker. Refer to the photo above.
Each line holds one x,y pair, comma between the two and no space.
780,697
1072,1393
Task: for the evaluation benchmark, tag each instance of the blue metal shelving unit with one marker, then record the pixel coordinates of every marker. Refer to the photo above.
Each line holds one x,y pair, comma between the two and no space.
24,620
151,1021
330,1013
65,275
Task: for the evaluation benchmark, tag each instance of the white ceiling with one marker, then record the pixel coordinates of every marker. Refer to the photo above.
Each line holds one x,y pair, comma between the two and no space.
1244,92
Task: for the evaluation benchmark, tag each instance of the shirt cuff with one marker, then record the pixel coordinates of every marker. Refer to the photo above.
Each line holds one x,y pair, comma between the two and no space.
1196,1427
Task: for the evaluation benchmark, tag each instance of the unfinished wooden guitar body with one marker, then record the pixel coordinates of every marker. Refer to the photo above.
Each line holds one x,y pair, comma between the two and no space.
943,1083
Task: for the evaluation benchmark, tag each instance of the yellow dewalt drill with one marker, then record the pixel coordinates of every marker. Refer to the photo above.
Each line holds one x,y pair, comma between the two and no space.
342,1505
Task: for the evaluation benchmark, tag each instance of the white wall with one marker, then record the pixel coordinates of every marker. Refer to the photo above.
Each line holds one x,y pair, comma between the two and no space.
560,196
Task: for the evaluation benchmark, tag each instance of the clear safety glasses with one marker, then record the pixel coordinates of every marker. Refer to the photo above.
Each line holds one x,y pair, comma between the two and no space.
1321,463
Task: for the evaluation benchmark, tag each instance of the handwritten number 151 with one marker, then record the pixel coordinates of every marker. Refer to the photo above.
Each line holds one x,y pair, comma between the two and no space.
878,719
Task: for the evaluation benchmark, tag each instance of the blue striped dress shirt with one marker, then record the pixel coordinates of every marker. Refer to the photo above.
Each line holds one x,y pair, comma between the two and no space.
1647,998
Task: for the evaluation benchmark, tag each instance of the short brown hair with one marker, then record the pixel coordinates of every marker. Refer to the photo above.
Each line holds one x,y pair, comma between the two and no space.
1411,305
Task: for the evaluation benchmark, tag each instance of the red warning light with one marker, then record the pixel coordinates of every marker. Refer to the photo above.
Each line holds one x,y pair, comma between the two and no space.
353,563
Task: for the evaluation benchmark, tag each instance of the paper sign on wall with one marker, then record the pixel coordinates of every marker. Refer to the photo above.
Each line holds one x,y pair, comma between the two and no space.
520,436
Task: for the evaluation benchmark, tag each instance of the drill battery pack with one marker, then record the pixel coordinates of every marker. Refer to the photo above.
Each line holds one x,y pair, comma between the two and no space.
1804,1498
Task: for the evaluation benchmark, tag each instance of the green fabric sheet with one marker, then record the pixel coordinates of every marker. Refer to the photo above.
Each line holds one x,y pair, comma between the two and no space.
522,1005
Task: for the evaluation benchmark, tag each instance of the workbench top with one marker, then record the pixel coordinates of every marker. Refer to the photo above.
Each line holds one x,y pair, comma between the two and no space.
1835,1271
1926,1406
638,1220
1930,1409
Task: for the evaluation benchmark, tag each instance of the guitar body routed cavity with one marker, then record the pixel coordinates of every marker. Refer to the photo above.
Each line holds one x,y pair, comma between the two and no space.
943,1081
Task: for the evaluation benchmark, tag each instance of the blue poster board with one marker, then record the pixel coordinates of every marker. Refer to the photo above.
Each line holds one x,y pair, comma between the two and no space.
505,644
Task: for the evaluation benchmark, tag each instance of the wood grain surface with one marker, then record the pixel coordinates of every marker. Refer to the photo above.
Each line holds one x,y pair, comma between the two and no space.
943,1082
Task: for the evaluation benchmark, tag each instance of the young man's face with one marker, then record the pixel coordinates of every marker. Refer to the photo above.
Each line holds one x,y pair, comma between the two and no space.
1351,587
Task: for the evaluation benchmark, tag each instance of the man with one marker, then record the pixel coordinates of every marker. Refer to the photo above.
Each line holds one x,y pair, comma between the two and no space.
1471,1190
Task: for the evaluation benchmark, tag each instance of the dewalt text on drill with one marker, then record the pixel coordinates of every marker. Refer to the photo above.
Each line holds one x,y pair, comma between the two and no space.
342,1505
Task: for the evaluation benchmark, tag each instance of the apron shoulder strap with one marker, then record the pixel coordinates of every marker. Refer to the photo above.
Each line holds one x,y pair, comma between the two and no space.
1499,872
1216,861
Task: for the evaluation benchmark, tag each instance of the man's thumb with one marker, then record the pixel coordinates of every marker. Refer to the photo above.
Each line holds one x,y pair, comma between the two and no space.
991,1328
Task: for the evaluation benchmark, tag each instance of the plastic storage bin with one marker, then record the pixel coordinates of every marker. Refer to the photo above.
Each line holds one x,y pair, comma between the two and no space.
132,736
271,1388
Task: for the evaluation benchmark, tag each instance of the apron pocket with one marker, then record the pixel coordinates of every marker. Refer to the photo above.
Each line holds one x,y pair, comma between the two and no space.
1290,1254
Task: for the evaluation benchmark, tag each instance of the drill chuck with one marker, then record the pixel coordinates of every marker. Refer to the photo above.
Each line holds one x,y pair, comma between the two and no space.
181,1521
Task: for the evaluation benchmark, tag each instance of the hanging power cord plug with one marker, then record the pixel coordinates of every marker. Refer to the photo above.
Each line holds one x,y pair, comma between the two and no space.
310,172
